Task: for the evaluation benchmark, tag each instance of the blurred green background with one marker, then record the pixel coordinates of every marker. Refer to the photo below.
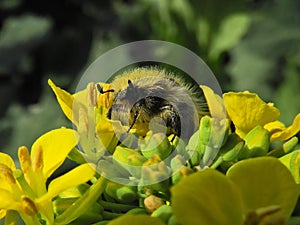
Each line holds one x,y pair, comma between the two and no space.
249,44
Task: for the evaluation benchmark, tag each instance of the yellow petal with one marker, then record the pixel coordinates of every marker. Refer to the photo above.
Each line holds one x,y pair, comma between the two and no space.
64,99
107,131
275,126
8,200
7,160
76,176
7,180
247,111
265,181
56,145
215,103
279,132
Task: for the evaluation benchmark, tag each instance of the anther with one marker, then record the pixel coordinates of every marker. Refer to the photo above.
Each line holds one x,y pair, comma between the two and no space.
24,158
92,94
38,161
7,172
29,206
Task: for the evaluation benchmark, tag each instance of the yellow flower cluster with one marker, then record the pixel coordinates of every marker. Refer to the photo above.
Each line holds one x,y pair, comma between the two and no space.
247,110
24,190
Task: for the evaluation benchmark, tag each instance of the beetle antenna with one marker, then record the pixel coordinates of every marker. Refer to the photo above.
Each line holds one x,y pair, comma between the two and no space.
100,89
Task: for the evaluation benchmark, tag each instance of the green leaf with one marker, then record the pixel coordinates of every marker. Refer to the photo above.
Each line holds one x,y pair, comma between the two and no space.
231,31
265,181
207,197
10,4
136,220
23,29
294,221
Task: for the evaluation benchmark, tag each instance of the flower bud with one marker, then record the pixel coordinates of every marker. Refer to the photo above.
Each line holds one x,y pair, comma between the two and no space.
157,143
164,213
129,159
183,172
256,143
231,149
179,146
156,177
152,203
284,149
177,162
219,130
136,211
121,193
207,140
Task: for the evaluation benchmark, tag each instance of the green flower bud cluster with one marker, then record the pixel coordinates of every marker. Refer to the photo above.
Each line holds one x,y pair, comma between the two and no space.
206,142
158,162
156,176
112,202
144,170
256,143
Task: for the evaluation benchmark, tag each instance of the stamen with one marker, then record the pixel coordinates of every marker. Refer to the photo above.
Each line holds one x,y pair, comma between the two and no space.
28,206
7,173
24,158
92,95
38,161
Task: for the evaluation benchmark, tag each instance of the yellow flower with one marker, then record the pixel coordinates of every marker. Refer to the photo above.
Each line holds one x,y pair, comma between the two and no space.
82,100
279,132
25,190
215,103
87,110
247,110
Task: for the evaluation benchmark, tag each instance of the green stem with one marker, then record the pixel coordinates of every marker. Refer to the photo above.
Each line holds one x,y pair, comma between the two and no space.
217,163
103,222
25,186
116,206
83,203
110,215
